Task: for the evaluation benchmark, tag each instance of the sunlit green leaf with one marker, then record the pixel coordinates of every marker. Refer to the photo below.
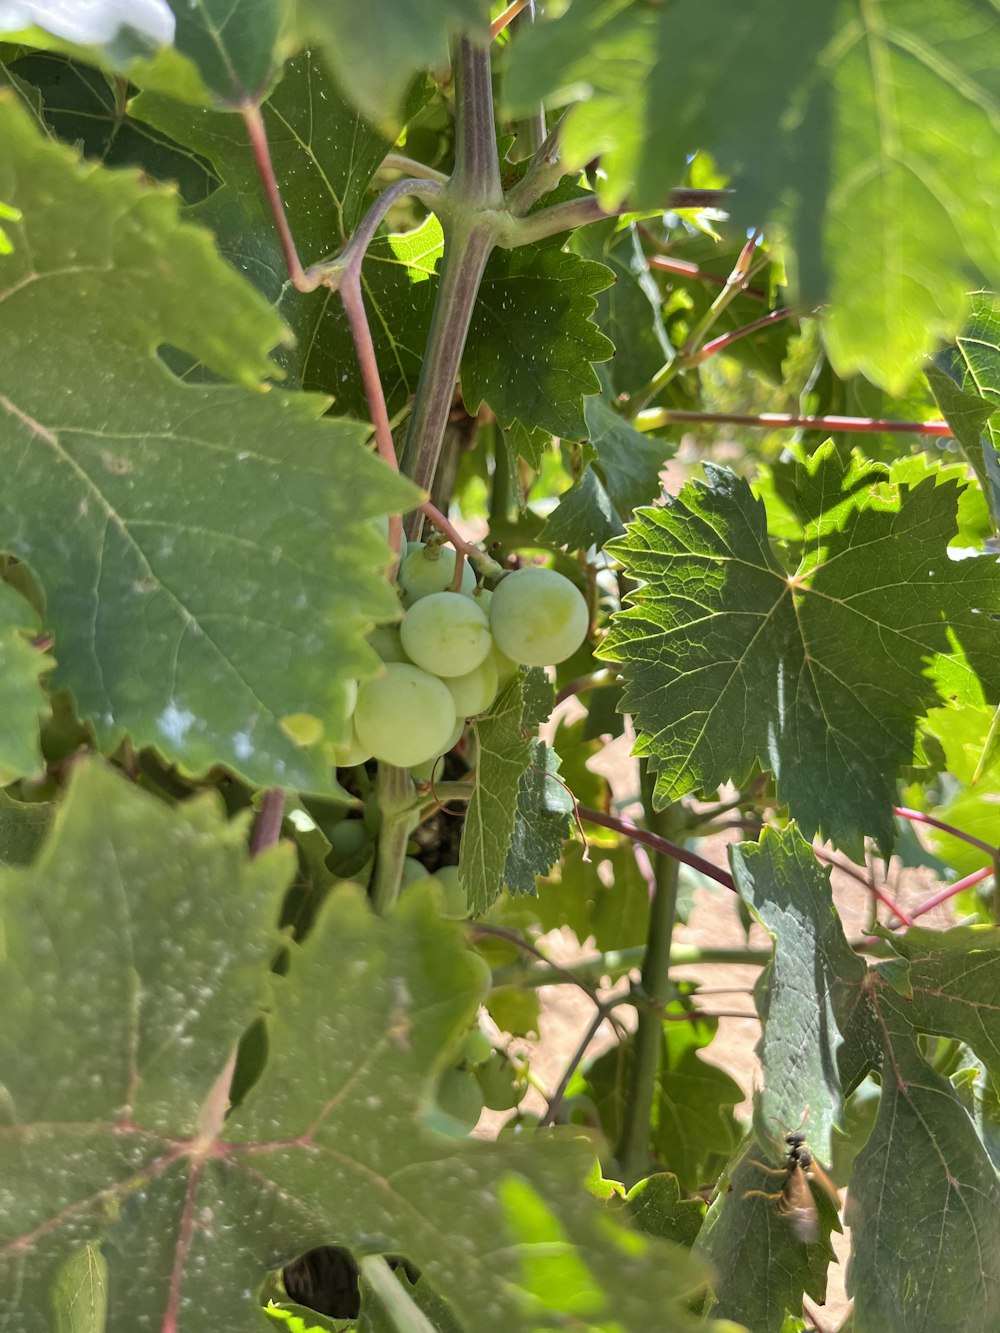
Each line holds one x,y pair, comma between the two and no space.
818,674
207,552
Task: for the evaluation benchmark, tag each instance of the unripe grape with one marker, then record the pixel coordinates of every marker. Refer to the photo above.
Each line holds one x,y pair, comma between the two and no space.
429,569
538,617
386,642
404,716
446,633
475,691
351,753
455,904
459,1096
476,1048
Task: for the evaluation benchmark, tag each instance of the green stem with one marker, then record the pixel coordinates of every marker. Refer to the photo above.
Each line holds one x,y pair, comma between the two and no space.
472,222
633,1143
403,1314
394,789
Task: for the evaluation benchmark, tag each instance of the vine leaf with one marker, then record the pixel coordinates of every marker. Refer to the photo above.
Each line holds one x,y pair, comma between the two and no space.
807,994
628,311
21,697
843,143
965,380
325,155
207,552
82,106
504,756
532,339
605,897
819,675
628,462
236,45
924,1201
129,1145
23,825
692,1128
953,986
541,821
375,49
761,1268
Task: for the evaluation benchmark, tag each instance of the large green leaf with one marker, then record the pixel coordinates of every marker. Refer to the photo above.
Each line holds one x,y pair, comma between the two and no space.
762,1268
21,697
818,674
923,1202
953,986
141,942
375,48
207,553
870,126
324,155
88,108
806,994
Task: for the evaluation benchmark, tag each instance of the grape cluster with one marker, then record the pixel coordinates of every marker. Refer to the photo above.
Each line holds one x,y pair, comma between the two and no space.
452,651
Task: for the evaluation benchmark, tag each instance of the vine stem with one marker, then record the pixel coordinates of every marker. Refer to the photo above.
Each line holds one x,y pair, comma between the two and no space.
257,134
725,340
403,1313
507,16
556,1100
969,882
454,536
267,830
632,1149
659,844
473,217
394,788
918,817
656,418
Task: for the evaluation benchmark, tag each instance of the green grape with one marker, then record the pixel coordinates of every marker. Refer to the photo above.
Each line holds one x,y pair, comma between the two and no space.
404,716
500,1088
459,1097
350,753
454,904
413,870
476,1048
350,847
386,642
446,633
538,617
475,691
429,569
506,666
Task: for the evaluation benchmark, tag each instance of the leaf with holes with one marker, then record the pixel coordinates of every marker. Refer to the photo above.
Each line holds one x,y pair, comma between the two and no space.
207,552
818,674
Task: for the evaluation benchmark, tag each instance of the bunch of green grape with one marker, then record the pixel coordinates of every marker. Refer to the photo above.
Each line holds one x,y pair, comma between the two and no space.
451,653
